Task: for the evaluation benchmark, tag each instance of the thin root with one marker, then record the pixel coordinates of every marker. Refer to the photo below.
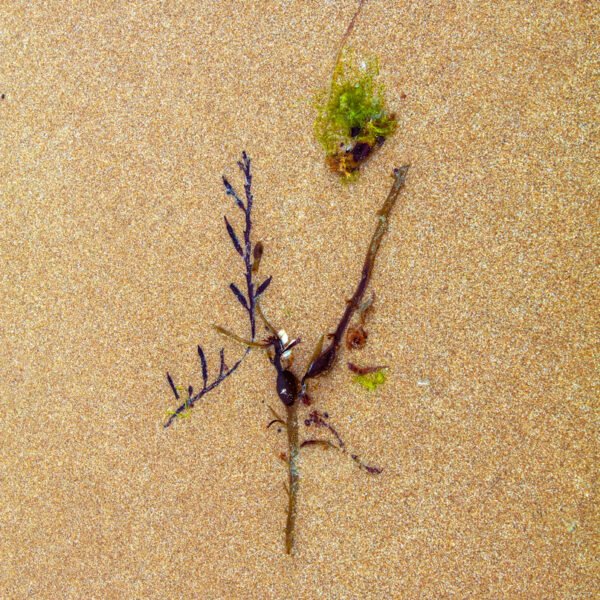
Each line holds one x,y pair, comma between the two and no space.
277,416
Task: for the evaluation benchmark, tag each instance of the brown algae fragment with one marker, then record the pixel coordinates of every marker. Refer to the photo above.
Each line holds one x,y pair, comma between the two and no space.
352,121
323,360
365,370
356,336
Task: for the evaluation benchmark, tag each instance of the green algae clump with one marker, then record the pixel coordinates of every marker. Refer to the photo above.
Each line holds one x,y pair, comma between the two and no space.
371,381
352,121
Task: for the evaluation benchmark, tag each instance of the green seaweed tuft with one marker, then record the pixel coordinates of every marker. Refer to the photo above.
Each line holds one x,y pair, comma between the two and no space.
371,381
351,117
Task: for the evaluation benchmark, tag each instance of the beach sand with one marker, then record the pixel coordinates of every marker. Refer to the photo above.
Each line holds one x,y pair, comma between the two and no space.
118,120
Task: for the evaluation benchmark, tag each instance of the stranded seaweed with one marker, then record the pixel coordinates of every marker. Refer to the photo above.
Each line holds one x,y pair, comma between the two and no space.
247,300
352,121
357,335
291,388
371,380
369,377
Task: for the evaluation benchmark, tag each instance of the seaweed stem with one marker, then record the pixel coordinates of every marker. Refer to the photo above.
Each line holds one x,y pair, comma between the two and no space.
327,357
239,339
347,33
293,475
320,420
275,414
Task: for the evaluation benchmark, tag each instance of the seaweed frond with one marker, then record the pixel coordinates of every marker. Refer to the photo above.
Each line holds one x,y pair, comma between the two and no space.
322,360
248,298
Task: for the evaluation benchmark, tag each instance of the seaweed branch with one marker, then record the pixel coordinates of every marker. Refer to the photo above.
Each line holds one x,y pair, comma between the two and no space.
290,390
293,475
322,420
247,300
326,358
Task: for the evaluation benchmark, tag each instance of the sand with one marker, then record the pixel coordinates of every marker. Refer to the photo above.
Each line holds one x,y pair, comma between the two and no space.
118,120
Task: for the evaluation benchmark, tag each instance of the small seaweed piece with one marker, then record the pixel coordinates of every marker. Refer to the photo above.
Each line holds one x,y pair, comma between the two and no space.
365,370
352,121
322,420
247,300
371,380
356,336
